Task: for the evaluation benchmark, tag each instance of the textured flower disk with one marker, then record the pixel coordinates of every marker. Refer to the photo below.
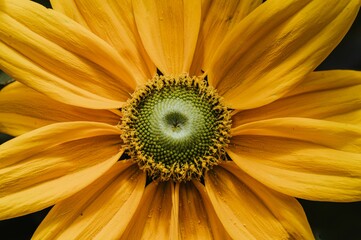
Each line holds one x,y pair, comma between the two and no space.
176,128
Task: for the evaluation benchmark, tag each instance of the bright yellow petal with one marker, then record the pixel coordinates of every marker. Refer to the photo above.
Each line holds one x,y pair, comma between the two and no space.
193,219
58,57
215,224
114,22
329,95
70,9
305,158
169,31
219,18
271,50
44,166
248,210
156,216
100,211
287,210
23,109
335,135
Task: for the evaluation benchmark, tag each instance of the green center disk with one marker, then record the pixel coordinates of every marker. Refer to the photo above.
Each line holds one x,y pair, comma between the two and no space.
175,124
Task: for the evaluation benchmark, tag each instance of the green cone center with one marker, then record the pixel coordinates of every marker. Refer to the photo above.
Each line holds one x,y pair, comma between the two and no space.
176,128
175,125
175,122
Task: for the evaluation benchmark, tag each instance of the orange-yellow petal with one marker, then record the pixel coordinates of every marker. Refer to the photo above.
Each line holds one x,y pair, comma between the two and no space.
169,32
114,22
329,95
271,50
249,210
22,109
156,217
58,57
70,9
287,210
100,211
193,219
44,166
218,231
218,19
305,158
305,129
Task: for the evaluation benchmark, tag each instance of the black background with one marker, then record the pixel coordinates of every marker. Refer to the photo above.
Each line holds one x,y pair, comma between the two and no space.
329,221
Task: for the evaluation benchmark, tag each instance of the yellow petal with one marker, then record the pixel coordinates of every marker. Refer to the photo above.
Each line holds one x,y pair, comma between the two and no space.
58,57
114,22
70,9
305,158
100,211
329,95
23,109
287,210
219,18
193,219
218,231
169,31
271,50
156,216
335,135
44,166
248,210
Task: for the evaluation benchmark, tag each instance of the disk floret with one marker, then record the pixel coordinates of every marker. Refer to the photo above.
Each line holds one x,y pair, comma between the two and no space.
176,128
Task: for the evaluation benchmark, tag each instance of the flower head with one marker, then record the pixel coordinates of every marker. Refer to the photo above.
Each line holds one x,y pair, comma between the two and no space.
176,119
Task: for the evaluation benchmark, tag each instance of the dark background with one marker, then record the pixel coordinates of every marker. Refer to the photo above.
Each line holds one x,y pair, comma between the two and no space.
329,221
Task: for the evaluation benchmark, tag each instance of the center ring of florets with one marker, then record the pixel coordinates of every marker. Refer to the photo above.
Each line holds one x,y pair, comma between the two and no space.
175,128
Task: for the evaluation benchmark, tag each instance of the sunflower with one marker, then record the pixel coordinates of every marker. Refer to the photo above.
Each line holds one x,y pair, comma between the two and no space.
176,119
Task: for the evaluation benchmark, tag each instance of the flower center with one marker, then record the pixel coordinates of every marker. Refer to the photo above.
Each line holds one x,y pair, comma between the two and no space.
176,128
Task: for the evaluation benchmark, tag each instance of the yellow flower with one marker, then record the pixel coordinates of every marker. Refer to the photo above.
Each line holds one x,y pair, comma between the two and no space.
107,141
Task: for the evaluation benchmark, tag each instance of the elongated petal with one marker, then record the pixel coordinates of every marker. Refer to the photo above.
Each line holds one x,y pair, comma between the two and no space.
305,158
100,211
70,9
114,22
249,210
169,31
193,219
271,50
155,217
285,209
335,135
204,205
219,18
23,109
58,57
37,78
44,166
329,95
